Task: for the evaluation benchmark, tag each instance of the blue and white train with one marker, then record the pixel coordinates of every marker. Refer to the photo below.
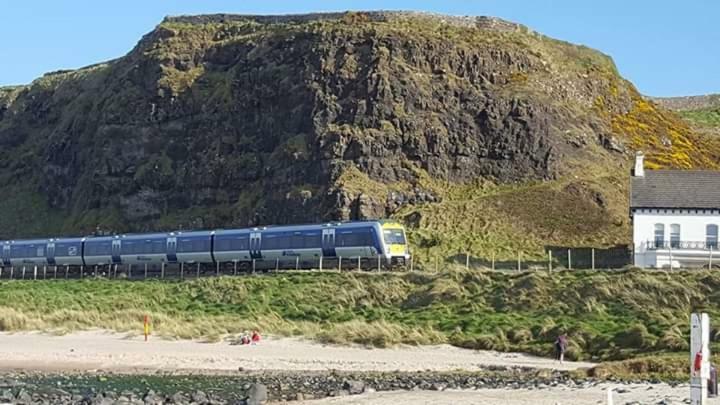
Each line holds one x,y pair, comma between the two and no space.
304,243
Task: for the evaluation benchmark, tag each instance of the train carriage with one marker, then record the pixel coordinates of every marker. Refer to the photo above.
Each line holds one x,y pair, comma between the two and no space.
65,252
191,247
143,248
27,252
103,250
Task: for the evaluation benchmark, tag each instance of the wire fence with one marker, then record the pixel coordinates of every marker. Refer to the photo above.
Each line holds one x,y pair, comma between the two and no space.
555,258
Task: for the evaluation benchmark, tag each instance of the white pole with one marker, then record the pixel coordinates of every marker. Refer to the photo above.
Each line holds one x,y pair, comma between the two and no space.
182,269
699,358
593,258
467,261
549,261
569,259
710,263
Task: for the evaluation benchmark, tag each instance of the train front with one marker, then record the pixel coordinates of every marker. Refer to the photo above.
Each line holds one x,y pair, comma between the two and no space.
396,248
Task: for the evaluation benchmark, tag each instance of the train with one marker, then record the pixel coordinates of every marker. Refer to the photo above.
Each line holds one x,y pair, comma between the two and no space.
382,240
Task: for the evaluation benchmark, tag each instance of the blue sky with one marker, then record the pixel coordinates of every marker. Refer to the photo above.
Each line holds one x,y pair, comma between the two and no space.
666,47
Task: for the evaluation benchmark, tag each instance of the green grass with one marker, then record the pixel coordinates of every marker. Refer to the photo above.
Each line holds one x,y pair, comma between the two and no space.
709,117
608,315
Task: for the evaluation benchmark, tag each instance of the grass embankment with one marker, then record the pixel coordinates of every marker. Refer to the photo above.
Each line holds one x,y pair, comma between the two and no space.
608,315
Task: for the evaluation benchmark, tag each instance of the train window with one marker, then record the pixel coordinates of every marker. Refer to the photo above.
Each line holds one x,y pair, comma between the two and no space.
283,242
240,243
97,248
297,241
356,237
222,244
269,242
394,236
312,240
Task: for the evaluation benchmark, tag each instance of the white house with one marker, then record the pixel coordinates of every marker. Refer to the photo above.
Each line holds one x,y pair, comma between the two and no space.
675,216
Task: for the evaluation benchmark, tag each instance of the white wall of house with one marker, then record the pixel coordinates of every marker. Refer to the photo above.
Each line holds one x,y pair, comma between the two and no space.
693,228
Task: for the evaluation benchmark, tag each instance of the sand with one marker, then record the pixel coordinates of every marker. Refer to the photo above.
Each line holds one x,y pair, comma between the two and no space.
109,351
631,394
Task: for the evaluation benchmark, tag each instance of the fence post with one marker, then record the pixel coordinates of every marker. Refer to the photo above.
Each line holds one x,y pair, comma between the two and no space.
340,264
671,262
145,270
412,263
162,270
82,270
35,273
67,269
493,261
593,258
115,272
519,260
379,264
129,271
23,273
467,261
197,271
359,266
254,266
297,262
217,269
182,270
234,267
569,259
321,258
710,263
12,270
277,263
436,264
44,272
549,261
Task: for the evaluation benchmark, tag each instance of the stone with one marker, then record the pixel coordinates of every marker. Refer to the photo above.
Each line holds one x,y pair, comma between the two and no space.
354,387
257,394
199,396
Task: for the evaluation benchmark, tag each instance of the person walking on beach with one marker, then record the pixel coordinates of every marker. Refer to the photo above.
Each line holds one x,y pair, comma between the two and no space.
561,344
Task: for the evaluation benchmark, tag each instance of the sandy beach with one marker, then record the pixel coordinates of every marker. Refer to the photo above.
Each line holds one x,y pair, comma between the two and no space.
109,351
628,394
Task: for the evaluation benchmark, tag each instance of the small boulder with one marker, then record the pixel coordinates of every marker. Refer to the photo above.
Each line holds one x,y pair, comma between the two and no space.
354,387
257,394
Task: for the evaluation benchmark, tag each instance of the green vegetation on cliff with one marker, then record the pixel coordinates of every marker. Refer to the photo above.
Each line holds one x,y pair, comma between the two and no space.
608,315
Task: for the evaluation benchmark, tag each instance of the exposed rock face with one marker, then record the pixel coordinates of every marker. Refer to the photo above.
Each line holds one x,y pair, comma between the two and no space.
239,120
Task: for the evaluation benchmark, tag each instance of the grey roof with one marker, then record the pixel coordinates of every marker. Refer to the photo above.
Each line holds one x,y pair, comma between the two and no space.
676,189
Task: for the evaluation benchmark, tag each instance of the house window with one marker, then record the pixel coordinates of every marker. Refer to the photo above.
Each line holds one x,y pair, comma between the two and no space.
659,235
711,236
675,236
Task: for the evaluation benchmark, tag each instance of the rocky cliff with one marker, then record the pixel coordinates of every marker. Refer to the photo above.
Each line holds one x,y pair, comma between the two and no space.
481,134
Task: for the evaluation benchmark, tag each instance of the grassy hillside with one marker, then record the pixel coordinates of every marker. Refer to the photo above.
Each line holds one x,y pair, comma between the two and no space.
608,315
